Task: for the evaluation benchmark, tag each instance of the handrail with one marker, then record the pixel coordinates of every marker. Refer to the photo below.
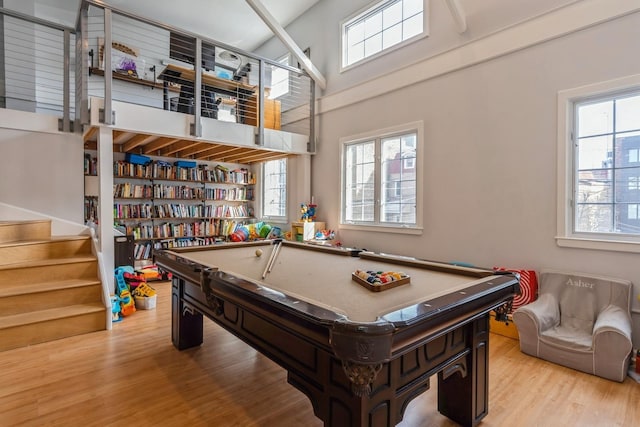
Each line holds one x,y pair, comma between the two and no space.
189,34
35,20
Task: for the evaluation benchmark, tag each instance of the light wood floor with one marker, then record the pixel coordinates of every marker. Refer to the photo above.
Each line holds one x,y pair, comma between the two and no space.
132,375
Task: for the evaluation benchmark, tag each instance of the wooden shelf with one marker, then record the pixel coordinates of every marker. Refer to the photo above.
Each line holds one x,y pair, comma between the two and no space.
176,73
134,80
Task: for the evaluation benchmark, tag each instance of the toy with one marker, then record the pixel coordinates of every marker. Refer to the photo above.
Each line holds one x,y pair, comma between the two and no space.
144,290
152,272
115,309
308,212
127,306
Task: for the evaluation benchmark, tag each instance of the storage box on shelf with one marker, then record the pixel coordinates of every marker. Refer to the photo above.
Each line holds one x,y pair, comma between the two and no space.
166,205
303,231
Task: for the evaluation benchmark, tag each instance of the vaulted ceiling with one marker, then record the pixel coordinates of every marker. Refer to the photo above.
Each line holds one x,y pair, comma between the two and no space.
232,22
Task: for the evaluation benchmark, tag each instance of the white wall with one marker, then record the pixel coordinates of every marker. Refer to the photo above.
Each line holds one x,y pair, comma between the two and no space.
489,185
319,29
41,168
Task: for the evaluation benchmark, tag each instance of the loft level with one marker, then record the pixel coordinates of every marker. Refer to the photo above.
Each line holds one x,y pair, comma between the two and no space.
149,131
233,107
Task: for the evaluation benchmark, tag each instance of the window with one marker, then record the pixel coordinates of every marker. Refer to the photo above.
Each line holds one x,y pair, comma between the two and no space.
599,145
274,189
279,79
384,25
380,176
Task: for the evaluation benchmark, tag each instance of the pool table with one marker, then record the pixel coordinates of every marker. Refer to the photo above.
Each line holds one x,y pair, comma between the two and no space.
360,356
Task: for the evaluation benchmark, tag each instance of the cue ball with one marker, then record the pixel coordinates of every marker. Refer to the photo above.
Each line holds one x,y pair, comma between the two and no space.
258,252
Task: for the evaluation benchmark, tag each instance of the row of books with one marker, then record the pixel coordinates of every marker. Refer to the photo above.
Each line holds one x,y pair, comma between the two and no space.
123,211
185,243
236,194
179,211
225,211
127,190
164,170
192,229
90,165
177,192
223,174
143,250
132,191
91,209
147,211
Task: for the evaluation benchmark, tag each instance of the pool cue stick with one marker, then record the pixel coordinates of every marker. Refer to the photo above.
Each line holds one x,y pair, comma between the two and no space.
273,261
273,253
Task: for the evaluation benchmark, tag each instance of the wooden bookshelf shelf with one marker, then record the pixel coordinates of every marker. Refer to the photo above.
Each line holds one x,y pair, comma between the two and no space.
134,80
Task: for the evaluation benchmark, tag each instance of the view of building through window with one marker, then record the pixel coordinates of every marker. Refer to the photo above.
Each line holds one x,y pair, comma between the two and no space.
607,173
384,25
359,190
398,202
274,188
380,181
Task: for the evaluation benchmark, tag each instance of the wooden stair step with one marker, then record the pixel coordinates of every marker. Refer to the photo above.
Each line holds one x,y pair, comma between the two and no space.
50,314
38,249
25,329
75,267
32,288
42,296
52,239
46,262
11,231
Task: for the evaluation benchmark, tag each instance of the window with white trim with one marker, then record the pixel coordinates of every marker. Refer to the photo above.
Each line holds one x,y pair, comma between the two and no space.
274,189
382,26
381,177
599,138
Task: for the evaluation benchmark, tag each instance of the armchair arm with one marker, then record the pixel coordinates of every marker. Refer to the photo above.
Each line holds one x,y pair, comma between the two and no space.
613,319
545,312
612,343
533,318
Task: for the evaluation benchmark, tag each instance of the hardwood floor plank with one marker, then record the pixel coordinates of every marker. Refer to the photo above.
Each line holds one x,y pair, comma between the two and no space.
133,375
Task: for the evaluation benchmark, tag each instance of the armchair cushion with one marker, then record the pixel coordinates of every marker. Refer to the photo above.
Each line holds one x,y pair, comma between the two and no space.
579,321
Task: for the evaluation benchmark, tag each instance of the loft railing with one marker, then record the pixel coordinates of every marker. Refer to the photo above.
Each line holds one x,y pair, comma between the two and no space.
37,66
121,57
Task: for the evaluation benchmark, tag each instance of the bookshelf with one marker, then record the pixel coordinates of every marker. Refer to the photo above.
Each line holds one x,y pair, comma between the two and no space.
90,188
164,205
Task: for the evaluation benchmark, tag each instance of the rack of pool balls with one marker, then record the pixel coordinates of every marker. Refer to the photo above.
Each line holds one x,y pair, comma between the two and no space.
379,280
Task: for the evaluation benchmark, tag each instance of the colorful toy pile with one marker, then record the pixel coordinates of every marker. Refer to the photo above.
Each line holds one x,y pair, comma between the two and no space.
380,277
122,302
259,230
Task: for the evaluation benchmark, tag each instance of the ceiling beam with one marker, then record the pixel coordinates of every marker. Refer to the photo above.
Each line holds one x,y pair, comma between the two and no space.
183,144
137,141
285,38
158,144
458,15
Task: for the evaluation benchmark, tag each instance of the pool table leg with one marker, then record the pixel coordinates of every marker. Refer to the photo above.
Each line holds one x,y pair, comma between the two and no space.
186,331
463,395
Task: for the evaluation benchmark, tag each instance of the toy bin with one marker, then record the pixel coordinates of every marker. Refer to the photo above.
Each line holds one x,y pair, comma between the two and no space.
145,303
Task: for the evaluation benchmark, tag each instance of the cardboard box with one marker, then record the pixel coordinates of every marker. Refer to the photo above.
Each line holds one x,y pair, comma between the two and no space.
501,328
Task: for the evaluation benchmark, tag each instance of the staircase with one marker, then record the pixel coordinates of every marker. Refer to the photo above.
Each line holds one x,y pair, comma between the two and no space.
49,286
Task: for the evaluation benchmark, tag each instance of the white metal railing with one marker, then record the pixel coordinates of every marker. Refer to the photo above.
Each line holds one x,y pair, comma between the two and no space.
127,58
37,66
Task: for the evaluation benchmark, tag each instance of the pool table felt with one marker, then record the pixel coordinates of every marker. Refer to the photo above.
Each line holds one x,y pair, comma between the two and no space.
325,279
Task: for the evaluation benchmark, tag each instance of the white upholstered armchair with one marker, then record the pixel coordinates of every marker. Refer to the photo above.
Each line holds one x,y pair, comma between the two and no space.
579,321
